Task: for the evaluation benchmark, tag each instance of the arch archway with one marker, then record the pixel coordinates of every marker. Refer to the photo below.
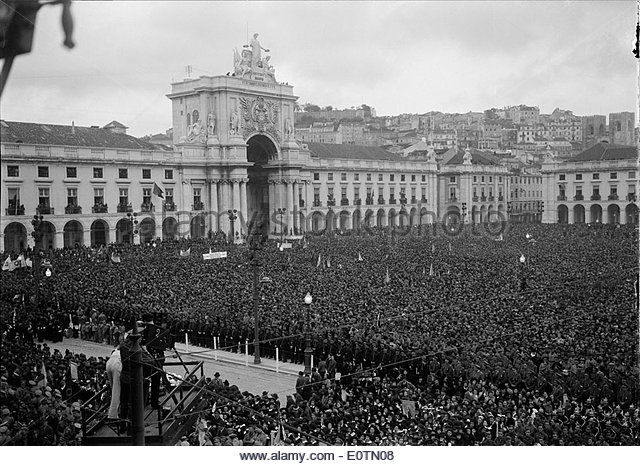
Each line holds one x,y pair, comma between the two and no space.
356,220
631,212
380,218
596,213
317,222
392,218
260,150
124,232
147,230
369,220
73,234
15,237
48,236
198,227
345,220
414,218
475,214
427,217
579,215
404,219
331,222
169,228
301,223
483,214
99,233
452,218
613,213
563,214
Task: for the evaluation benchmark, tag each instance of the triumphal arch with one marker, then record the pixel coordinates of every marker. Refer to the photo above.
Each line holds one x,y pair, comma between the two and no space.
236,144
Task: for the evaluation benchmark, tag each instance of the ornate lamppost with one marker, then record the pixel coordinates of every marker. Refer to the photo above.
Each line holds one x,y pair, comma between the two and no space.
132,217
308,299
233,215
281,212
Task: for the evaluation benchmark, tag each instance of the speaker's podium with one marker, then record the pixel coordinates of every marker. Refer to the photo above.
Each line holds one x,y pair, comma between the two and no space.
176,413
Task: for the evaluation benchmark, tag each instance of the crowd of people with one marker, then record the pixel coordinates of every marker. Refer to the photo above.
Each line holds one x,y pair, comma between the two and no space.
530,337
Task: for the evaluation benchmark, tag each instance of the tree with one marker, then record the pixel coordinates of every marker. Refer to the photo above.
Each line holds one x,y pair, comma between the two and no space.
311,107
328,108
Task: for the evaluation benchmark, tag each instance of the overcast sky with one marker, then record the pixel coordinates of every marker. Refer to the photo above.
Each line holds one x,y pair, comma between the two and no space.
397,57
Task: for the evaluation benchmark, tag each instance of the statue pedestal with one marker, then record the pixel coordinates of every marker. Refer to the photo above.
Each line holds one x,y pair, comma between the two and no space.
213,141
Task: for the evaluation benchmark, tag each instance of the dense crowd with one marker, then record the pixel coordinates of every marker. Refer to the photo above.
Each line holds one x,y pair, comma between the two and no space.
490,349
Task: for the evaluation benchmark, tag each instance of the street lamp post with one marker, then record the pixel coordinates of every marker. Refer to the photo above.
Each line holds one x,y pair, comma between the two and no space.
133,222
233,215
281,212
37,237
464,213
308,299
256,240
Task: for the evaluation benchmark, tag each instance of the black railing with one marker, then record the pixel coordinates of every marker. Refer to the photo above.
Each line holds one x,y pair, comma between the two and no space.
125,208
15,210
380,200
453,199
344,201
197,206
613,197
331,202
369,201
317,203
301,202
392,200
414,200
631,197
491,198
100,209
501,198
578,197
357,201
73,209
562,197
169,206
475,198
483,198
147,207
595,197
45,210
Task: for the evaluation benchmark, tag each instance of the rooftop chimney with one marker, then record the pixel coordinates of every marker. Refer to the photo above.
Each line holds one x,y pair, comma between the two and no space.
73,127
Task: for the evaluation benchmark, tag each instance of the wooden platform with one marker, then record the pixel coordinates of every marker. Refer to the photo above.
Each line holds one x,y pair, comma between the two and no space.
163,426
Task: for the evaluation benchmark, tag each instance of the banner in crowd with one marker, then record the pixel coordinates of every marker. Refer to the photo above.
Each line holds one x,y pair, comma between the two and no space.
186,253
215,255
409,408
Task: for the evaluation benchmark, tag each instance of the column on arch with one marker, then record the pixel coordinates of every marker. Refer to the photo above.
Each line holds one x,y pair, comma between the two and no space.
213,205
244,216
290,204
273,202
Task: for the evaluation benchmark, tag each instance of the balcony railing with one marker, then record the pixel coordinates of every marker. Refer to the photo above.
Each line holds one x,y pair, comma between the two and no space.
380,200
122,208
73,209
301,202
613,197
631,197
368,201
344,201
491,198
414,200
197,206
483,198
100,209
15,210
357,201
149,207
578,197
501,198
595,197
331,202
169,206
562,197
453,199
45,210
317,203
392,200
475,198
424,199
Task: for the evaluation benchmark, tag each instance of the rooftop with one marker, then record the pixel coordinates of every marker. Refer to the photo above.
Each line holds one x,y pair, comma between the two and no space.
454,156
605,151
68,135
349,151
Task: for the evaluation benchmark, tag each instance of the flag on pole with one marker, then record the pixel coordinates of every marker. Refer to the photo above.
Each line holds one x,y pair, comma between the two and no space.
387,279
319,260
431,270
328,263
359,257
157,191
449,246
115,258
44,373
186,253
433,248
8,264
